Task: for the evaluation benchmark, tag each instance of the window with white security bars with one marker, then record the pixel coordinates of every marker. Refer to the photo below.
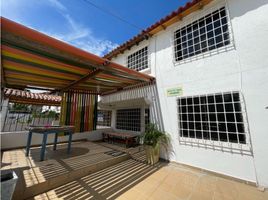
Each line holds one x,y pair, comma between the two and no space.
201,36
215,117
128,119
104,118
138,60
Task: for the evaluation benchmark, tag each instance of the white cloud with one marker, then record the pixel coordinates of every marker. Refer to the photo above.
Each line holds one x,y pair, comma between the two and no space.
88,43
77,34
99,47
58,5
81,36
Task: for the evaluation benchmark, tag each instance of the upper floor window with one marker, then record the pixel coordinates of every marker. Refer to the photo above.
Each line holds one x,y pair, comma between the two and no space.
138,60
207,33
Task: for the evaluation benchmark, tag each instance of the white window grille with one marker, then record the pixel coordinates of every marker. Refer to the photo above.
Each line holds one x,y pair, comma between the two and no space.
215,117
138,60
128,119
104,118
210,32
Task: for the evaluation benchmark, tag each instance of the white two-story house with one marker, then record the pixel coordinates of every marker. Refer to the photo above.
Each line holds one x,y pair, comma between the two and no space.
210,61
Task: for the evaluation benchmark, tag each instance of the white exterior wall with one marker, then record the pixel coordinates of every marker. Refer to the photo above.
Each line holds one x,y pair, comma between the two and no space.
243,69
12,140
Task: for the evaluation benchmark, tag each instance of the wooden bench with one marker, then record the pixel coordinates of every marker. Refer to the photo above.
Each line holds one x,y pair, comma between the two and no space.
127,138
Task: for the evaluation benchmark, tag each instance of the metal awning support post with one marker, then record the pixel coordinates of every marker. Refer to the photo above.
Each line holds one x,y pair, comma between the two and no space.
4,111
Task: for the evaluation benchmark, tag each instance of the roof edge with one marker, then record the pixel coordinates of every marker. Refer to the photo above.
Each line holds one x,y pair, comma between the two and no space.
27,97
160,25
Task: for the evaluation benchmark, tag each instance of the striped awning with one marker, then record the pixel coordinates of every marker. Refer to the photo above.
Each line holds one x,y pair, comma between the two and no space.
27,97
31,59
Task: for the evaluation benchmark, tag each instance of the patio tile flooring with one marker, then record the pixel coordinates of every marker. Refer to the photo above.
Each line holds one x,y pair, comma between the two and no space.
127,180
136,152
134,180
58,168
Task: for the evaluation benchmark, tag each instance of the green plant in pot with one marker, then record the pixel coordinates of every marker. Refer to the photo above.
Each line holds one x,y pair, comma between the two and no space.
153,139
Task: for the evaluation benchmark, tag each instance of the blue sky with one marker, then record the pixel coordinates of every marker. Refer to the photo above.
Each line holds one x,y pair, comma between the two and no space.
79,23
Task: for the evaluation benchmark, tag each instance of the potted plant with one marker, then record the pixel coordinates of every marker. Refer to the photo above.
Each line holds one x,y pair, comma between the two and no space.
152,139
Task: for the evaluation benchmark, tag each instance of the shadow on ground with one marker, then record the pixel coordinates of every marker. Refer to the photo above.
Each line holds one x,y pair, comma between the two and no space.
108,183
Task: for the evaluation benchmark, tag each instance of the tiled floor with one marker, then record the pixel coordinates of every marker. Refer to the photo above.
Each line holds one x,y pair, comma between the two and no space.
108,183
137,153
127,180
57,167
134,180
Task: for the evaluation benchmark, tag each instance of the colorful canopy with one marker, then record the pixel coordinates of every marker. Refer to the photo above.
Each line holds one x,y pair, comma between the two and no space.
32,59
175,16
79,110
